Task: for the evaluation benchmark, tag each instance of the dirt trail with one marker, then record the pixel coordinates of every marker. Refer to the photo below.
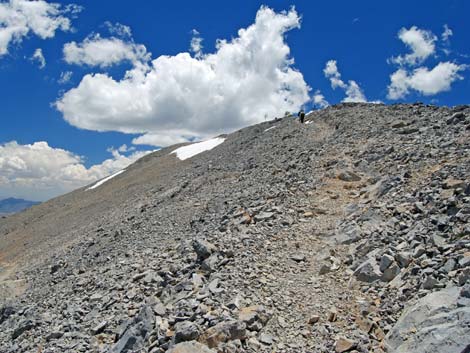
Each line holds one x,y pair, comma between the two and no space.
300,292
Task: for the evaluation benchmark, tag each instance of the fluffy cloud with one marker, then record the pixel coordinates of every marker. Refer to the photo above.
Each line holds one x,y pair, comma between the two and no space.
246,79
319,100
104,52
39,58
352,90
163,139
425,81
38,171
18,18
421,43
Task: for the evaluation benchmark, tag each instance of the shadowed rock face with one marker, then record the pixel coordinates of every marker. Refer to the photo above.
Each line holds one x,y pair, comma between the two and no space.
327,236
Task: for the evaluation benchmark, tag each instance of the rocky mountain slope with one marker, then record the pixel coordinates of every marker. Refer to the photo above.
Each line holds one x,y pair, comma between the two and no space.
12,205
347,234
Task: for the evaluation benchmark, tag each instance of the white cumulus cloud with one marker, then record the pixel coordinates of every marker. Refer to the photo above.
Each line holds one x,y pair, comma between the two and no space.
319,100
425,81
39,58
412,75
420,42
38,171
19,18
244,80
104,52
352,90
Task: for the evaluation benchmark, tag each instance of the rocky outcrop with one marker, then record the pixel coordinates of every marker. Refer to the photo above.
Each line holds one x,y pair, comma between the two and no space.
437,323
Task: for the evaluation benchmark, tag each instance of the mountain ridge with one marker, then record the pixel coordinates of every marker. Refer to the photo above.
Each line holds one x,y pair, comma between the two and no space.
12,205
285,237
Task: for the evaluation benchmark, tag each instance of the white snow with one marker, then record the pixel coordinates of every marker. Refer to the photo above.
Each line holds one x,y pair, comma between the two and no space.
309,122
102,181
193,149
269,128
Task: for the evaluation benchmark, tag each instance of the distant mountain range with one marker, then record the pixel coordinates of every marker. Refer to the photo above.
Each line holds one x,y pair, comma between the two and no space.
12,205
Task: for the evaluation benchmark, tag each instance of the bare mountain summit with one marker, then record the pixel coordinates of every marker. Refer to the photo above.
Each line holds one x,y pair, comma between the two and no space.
349,233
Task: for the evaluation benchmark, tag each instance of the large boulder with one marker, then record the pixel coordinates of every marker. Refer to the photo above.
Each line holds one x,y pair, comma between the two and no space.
437,323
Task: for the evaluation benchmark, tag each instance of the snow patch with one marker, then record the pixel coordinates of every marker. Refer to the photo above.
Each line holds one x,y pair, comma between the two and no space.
189,151
308,122
270,128
102,181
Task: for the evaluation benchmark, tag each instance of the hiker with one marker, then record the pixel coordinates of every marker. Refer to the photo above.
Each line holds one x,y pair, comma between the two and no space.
301,116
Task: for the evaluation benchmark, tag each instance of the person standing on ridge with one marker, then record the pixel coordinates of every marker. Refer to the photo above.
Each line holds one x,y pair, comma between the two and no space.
301,116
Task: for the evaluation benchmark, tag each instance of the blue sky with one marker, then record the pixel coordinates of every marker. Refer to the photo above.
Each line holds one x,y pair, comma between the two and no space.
363,39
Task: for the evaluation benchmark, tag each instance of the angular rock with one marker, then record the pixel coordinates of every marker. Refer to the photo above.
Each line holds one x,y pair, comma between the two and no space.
263,216
266,339
348,235
430,282
99,328
136,332
203,248
344,345
398,124
324,269
5,312
54,335
433,320
348,175
224,332
210,264
368,271
24,326
313,319
452,183
190,347
186,331
251,314
298,257
385,261
403,258
391,272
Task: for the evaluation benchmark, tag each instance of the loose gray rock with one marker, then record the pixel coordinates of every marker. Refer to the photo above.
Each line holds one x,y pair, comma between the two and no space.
190,347
203,248
224,332
186,331
385,262
24,326
136,332
433,320
368,271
